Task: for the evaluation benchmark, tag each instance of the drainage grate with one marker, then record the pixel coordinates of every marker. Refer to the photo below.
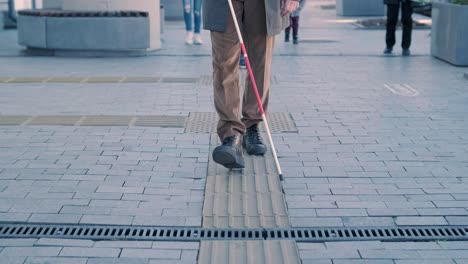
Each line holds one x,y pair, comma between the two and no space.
109,232
205,122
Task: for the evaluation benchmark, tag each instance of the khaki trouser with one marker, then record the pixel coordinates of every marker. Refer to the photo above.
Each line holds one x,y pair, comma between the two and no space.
226,52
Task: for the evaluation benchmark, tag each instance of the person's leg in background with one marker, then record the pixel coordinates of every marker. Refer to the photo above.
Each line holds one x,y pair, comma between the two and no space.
197,4
287,31
407,22
226,52
295,28
259,48
187,6
392,19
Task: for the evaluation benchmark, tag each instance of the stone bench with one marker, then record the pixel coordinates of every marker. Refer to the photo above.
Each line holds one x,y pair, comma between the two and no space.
84,31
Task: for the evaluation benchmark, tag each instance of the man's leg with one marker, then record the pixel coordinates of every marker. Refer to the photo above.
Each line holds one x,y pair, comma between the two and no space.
407,21
259,48
392,19
226,92
226,52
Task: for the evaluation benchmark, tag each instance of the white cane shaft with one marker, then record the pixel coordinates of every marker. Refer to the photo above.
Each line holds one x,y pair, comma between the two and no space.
236,24
273,149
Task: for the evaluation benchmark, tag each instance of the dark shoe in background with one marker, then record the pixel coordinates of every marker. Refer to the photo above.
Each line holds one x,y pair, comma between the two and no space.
229,154
242,62
406,52
295,40
253,141
388,51
286,37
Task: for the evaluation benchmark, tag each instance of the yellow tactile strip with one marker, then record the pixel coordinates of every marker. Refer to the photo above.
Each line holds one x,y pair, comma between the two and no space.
206,122
249,252
98,79
97,120
196,122
248,198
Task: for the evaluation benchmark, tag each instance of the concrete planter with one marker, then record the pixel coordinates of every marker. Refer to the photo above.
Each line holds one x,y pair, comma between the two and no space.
360,8
449,35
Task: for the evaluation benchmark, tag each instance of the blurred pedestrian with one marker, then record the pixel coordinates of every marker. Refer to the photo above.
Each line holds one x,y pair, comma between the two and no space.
393,7
190,38
294,24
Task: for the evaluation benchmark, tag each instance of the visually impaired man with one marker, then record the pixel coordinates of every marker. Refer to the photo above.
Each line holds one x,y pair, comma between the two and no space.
260,21
393,7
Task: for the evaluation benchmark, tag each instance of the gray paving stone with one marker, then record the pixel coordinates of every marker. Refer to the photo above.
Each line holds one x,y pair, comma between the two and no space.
362,261
12,242
55,260
123,244
420,220
105,219
13,260
117,261
30,252
151,253
55,218
425,261
90,252
316,222
63,242
388,254
457,220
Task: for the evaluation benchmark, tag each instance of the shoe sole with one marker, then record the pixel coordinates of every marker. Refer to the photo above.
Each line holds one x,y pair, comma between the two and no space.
227,160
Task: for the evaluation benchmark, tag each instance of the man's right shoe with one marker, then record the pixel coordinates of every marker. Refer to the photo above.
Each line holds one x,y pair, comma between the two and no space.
388,51
286,37
253,142
229,154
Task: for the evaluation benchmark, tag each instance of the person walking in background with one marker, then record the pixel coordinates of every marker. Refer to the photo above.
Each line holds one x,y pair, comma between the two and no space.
190,38
393,7
294,24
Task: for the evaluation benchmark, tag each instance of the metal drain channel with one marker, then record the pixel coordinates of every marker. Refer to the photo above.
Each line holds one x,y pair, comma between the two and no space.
149,233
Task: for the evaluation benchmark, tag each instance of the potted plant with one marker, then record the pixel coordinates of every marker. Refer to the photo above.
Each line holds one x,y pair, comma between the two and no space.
360,8
449,35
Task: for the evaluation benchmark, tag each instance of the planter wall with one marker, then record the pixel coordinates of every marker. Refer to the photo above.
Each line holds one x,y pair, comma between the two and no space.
449,35
360,8
173,9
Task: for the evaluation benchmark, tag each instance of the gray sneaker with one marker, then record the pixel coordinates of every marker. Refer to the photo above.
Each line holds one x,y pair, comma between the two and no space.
406,52
388,51
229,154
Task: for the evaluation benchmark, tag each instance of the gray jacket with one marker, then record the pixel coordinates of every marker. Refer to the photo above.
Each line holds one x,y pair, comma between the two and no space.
215,13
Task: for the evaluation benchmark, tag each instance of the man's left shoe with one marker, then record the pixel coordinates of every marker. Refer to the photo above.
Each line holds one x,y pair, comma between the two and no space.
406,52
295,40
253,142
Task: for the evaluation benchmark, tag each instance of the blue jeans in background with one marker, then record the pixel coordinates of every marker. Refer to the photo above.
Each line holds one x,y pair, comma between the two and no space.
187,6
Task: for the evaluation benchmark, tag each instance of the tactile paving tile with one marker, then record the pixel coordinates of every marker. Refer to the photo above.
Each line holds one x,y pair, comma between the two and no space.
106,79
106,120
28,79
55,120
160,121
66,80
179,80
249,252
141,80
13,120
250,198
206,122
5,79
